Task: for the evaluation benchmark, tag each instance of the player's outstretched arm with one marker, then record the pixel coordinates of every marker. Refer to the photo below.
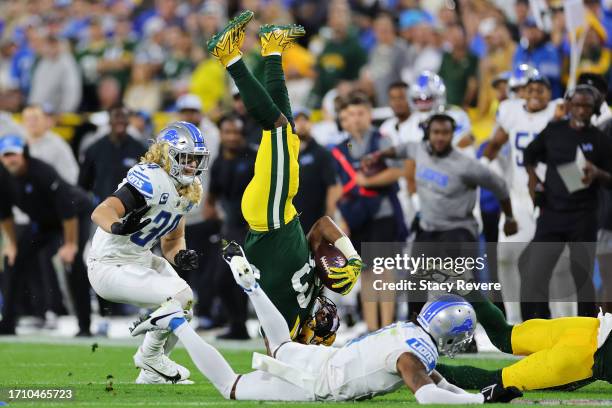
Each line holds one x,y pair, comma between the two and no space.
425,389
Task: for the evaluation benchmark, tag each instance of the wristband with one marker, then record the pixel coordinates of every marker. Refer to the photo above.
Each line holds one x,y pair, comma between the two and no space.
416,202
345,246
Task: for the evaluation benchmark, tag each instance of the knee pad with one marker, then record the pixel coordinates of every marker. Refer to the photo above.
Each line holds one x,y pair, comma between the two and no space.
185,297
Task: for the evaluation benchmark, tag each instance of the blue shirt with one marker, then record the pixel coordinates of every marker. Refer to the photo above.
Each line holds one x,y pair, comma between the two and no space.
545,58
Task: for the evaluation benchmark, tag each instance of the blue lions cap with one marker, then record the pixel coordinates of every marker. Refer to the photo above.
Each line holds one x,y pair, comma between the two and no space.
11,144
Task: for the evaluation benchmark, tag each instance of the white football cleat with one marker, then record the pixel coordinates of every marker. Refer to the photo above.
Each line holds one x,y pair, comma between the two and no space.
243,272
159,319
149,377
159,369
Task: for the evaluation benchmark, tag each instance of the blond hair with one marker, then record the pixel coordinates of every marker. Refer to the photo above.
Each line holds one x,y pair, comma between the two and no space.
158,154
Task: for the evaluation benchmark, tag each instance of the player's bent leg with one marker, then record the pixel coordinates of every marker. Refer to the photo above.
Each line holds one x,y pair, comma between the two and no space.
538,334
565,363
261,386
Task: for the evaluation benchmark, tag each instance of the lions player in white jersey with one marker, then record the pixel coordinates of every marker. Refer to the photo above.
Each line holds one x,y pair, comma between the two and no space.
148,207
518,122
374,364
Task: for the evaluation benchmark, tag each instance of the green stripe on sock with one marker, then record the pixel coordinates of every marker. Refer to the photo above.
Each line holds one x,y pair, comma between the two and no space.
273,165
286,175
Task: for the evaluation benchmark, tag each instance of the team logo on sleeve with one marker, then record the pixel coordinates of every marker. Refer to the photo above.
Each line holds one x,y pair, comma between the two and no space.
424,352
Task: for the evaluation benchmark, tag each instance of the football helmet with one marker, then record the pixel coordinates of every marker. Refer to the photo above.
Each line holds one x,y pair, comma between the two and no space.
519,78
323,325
427,93
450,321
186,146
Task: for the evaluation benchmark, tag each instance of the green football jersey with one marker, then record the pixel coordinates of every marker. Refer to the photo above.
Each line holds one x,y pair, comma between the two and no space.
287,271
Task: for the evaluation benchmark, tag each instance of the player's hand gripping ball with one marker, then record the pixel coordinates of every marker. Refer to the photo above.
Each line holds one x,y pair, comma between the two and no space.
335,271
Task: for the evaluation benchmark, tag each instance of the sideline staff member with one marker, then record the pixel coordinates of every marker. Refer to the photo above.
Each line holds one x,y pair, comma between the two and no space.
57,210
565,218
446,181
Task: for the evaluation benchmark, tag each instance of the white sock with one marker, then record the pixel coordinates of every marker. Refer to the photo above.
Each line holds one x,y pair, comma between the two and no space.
272,321
208,360
154,341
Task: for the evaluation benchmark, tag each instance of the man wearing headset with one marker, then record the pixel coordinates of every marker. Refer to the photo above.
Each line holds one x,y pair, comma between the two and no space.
447,181
566,217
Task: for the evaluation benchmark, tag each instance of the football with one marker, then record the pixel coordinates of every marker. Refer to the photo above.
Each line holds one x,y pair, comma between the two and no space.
326,256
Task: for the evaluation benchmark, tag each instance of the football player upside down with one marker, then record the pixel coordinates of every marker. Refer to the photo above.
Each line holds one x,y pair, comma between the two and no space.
276,245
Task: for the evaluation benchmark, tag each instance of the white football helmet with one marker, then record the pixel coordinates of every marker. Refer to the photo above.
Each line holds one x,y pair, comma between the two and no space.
187,146
450,321
427,93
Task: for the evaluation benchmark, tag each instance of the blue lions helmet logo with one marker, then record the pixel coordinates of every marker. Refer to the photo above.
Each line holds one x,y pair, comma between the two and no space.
466,326
171,136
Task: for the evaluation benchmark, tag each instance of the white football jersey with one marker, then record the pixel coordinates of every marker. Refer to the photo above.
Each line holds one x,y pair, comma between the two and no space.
367,365
411,130
167,209
522,127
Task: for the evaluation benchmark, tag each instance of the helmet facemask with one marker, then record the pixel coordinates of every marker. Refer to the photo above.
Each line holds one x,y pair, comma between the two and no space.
186,166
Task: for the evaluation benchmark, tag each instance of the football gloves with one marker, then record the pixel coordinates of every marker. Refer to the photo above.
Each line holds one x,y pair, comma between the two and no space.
131,223
347,275
497,393
186,259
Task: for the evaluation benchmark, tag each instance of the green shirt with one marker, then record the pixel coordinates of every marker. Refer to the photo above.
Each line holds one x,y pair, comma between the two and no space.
339,60
456,74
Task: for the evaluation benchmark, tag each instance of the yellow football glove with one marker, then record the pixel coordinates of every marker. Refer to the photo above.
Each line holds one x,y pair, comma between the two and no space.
347,275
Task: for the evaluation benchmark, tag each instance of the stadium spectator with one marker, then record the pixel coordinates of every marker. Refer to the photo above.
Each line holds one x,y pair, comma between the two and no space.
459,69
108,94
342,57
369,204
498,58
536,50
107,161
230,174
424,51
144,92
10,96
48,146
59,214
386,59
88,55
56,79
319,189
566,217
189,108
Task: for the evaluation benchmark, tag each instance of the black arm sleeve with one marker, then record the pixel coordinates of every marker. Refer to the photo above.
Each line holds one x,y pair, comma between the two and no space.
129,197
536,151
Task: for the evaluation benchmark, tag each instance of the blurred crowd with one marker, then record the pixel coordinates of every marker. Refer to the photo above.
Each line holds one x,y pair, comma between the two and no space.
356,76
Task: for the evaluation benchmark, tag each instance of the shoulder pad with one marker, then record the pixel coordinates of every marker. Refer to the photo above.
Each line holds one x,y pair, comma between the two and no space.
143,177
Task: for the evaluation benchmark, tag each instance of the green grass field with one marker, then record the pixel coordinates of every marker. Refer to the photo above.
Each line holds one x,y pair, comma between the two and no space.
86,371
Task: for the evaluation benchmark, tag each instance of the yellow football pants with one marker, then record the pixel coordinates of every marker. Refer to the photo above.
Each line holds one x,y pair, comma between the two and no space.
559,352
267,202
